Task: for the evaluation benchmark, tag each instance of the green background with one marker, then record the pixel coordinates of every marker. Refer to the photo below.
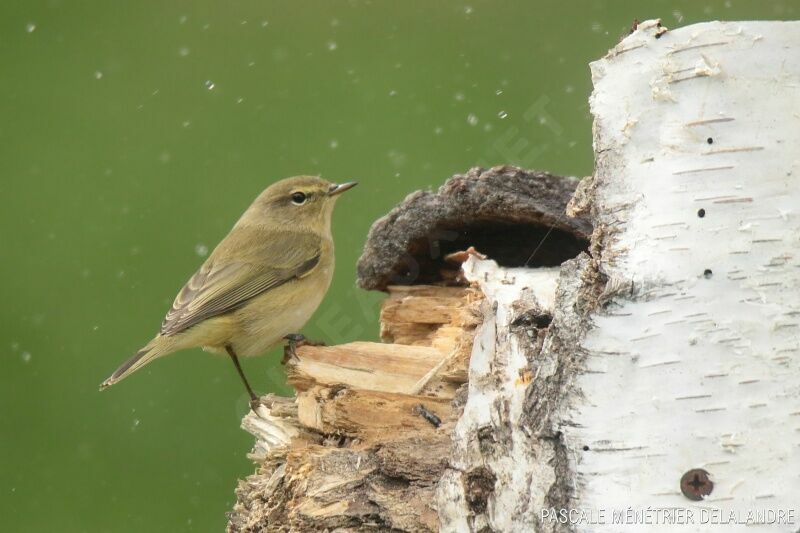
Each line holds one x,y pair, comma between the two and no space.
133,135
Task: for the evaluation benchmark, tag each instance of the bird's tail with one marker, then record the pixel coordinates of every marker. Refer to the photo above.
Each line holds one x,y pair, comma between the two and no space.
155,348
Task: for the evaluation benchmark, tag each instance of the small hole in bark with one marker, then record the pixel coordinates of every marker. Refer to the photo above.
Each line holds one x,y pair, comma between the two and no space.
585,448
479,487
707,273
710,140
701,213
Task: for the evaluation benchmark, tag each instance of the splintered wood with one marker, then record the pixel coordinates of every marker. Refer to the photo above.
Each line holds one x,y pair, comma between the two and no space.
368,414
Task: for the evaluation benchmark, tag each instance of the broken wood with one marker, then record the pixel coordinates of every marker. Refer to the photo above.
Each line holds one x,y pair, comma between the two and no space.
362,446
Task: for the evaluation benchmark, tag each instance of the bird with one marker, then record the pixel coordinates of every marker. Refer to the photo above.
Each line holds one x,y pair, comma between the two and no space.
260,285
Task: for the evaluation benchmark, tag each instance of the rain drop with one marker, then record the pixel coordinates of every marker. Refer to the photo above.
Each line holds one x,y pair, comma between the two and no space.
98,75
26,357
472,120
502,114
334,144
459,97
209,85
184,51
30,27
201,249
332,45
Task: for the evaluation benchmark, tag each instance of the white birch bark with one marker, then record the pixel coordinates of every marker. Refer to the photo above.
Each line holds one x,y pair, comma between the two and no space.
677,344
696,364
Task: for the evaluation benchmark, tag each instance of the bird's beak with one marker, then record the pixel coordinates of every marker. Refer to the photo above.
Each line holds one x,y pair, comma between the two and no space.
340,188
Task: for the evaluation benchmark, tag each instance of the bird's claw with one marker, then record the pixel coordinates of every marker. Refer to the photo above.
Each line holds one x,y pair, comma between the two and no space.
294,341
255,403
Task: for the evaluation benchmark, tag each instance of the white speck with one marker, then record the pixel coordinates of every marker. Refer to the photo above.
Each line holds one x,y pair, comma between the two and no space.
488,126
728,3
392,93
459,97
334,22
438,130
201,249
186,123
468,10
502,114
184,51
569,89
498,92
243,22
678,15
136,423
121,274
182,19
334,144
332,45
239,100
95,328
30,27
14,346
542,121
472,120
26,357
209,85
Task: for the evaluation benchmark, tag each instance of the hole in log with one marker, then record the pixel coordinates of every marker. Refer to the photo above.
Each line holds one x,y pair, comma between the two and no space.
511,245
707,273
701,213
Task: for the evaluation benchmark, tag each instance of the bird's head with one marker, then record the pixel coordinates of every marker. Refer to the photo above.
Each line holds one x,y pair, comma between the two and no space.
301,201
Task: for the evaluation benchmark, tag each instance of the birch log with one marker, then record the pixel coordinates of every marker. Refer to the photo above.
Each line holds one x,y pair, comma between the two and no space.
667,389
654,380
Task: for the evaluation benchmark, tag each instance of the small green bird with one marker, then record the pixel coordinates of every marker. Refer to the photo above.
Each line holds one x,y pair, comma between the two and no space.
261,283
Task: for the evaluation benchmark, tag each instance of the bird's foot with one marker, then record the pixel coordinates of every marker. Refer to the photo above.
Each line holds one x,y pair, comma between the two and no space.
294,341
255,403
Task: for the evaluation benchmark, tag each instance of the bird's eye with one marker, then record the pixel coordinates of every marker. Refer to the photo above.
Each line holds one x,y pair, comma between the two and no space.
298,198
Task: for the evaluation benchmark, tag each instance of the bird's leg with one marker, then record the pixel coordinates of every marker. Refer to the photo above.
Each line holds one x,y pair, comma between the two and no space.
254,401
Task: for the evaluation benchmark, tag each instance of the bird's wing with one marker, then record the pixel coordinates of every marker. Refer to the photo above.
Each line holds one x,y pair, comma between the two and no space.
221,285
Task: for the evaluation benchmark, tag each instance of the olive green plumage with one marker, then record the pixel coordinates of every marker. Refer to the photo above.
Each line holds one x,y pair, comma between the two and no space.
262,282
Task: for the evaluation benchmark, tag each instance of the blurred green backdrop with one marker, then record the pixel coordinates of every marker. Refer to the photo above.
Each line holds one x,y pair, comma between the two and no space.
132,136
